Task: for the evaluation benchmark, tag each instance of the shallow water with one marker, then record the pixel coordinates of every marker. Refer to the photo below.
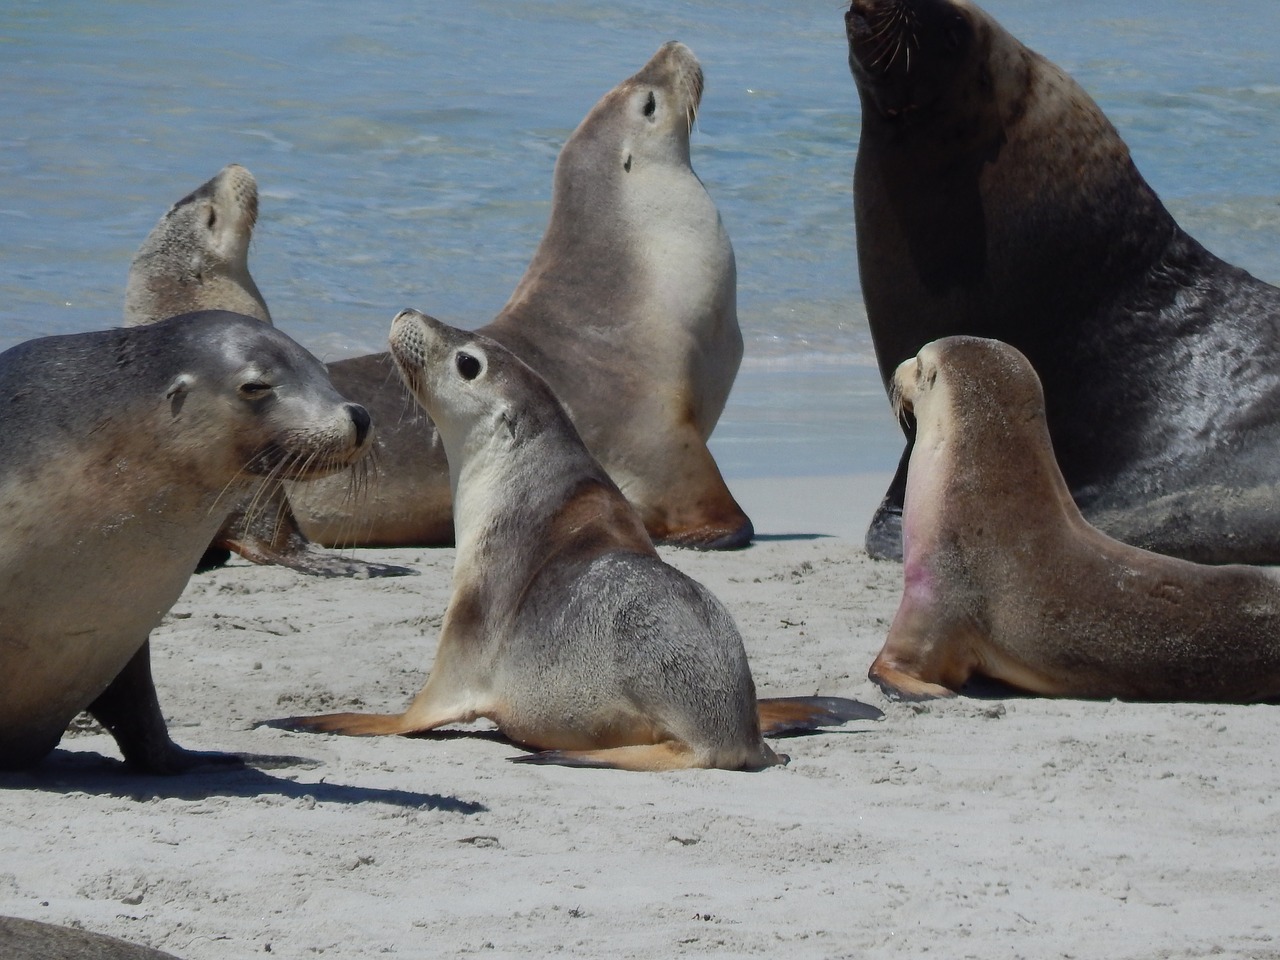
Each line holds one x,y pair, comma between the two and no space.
404,153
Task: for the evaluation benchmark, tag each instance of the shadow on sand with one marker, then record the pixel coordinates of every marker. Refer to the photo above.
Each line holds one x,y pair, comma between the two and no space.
85,772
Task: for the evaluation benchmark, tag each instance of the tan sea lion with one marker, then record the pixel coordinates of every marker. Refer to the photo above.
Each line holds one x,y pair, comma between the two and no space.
992,197
33,940
565,627
197,258
121,454
1005,578
629,312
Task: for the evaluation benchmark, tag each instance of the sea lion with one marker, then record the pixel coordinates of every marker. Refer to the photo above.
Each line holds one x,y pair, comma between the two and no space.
197,258
628,310
1004,577
123,452
32,940
565,627
992,197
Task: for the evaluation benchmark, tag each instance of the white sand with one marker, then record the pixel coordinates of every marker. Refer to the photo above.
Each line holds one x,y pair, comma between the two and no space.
969,828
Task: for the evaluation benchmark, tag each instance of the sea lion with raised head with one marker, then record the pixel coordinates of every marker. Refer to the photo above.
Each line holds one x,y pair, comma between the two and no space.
565,627
1004,577
123,451
628,310
197,258
992,197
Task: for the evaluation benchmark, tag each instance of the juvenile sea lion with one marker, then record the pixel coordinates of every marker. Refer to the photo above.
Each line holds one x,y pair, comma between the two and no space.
629,312
33,940
565,627
992,197
1004,577
197,258
121,454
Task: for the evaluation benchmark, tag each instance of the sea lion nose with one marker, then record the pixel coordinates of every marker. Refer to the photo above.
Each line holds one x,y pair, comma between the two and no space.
363,423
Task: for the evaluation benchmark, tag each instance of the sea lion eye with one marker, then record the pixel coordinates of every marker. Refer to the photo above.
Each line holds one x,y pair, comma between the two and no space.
468,366
650,105
255,389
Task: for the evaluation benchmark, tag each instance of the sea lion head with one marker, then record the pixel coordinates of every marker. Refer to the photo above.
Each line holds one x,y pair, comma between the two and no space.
639,126
475,391
197,256
906,55
966,384
253,388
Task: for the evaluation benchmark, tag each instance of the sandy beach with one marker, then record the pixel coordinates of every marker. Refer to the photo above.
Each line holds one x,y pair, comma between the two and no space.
978,827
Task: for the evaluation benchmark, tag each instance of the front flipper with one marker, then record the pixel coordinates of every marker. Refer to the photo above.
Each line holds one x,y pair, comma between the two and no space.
668,755
782,715
128,708
884,535
269,533
898,685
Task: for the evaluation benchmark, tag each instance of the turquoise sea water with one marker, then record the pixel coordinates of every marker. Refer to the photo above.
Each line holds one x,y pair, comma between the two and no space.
404,152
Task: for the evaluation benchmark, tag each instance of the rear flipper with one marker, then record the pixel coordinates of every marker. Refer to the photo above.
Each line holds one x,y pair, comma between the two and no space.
668,755
347,724
786,715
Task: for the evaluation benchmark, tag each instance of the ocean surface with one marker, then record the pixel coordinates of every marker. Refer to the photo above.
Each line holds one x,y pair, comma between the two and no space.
404,154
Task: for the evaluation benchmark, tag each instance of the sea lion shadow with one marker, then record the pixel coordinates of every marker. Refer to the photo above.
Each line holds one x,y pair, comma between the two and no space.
66,772
785,537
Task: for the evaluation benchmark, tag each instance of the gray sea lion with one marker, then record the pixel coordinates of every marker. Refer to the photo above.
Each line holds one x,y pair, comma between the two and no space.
565,627
628,310
123,451
1004,577
197,258
992,197
32,940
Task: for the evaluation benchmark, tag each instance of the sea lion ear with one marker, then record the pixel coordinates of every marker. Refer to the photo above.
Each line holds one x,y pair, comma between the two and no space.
178,390
512,423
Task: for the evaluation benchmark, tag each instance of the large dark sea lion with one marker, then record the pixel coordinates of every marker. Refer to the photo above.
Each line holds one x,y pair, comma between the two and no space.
197,258
565,627
1003,576
992,197
628,310
121,454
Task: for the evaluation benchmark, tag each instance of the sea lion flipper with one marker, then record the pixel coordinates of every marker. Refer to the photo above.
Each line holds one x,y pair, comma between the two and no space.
898,685
668,755
128,708
783,715
346,724
268,533
884,534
